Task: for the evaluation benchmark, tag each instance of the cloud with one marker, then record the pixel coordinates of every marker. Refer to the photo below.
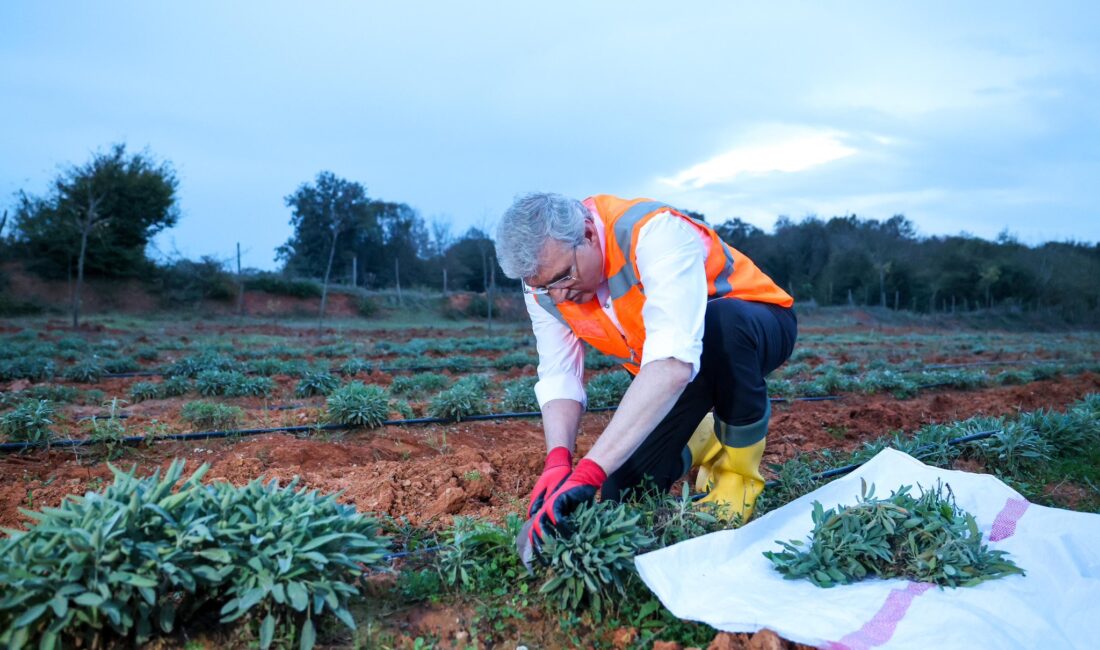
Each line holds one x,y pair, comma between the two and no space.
767,149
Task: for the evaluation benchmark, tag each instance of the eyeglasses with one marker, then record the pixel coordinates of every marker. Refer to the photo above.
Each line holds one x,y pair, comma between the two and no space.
559,283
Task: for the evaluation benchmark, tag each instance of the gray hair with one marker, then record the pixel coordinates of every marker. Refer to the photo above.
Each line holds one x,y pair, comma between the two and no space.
532,221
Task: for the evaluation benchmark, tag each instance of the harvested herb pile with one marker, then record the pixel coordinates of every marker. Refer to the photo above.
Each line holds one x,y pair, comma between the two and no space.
926,538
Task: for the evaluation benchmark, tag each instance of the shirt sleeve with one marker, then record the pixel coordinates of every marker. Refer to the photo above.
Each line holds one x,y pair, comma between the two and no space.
672,265
561,357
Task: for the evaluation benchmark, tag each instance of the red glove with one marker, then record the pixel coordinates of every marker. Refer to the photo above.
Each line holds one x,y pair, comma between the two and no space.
579,488
559,462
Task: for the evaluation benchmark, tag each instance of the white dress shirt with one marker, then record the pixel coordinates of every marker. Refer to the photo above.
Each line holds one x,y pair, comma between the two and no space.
671,265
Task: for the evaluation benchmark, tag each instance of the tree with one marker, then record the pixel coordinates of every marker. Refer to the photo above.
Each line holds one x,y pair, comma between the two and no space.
441,241
101,214
322,212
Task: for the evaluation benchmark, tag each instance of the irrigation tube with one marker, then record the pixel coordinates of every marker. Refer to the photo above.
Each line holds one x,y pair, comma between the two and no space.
917,453
386,369
205,435
393,369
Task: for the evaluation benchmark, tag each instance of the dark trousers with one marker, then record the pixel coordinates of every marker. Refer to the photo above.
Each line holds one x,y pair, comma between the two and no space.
742,342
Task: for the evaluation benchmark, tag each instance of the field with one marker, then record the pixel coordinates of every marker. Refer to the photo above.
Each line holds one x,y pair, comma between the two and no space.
271,399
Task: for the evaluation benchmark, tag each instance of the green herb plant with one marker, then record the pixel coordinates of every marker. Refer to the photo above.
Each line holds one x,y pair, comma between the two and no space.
147,555
316,383
28,422
607,389
211,415
519,395
359,405
464,399
589,566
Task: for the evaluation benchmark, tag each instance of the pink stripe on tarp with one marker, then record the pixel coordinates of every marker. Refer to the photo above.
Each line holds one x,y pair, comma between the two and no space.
881,627
1005,524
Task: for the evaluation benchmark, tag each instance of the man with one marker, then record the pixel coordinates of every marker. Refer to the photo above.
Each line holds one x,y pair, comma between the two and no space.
694,320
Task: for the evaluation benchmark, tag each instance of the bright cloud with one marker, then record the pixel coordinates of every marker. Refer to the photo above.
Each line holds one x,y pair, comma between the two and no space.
767,150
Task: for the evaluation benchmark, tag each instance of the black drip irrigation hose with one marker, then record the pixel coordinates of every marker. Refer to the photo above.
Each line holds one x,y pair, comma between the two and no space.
393,369
389,557
917,453
386,369
1007,362
206,435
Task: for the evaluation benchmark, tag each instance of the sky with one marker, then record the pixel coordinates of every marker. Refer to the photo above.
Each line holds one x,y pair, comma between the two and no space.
974,117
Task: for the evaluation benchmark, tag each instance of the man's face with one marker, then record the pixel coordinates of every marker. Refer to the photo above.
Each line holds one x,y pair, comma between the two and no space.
571,273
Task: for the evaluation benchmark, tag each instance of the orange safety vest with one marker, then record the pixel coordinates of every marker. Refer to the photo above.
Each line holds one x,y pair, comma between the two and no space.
730,274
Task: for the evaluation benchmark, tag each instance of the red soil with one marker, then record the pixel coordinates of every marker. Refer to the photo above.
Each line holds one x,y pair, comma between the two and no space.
484,469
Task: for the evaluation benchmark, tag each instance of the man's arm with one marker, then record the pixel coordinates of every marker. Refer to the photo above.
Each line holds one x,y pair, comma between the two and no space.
648,400
560,389
671,262
561,419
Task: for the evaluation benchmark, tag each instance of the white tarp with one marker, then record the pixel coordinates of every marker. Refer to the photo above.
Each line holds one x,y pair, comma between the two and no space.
724,580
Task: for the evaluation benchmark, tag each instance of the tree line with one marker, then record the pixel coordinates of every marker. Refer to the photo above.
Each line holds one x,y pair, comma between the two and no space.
848,260
97,219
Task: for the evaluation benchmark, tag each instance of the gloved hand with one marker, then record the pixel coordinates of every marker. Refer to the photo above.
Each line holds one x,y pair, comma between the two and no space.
559,462
580,487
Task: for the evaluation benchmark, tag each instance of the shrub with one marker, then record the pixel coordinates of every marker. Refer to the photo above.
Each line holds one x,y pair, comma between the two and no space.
175,386
156,551
316,382
403,408
480,381
282,286
144,390
463,399
589,565
120,365
515,360
87,371
925,539
519,395
419,383
334,350
209,415
51,392
458,363
901,386
367,307
148,353
479,555
11,307
1015,447
30,367
28,422
353,366
607,389
192,366
187,282
358,405
232,384
269,367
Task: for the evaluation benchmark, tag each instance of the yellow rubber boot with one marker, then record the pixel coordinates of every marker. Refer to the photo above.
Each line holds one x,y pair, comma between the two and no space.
704,446
734,481
732,477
